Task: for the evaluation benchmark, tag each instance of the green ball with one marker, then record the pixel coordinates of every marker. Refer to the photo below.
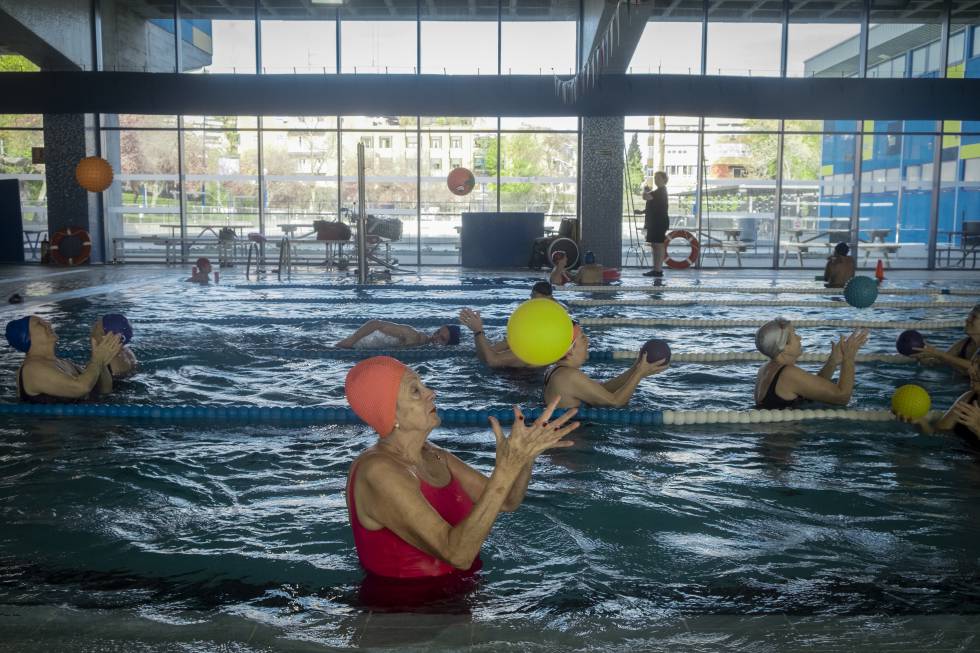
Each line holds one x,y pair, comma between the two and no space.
911,402
861,292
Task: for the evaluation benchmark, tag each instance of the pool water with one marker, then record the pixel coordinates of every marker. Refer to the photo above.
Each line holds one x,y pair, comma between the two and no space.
121,535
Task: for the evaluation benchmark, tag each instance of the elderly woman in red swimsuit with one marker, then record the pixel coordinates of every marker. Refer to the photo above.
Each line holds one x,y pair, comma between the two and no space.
418,511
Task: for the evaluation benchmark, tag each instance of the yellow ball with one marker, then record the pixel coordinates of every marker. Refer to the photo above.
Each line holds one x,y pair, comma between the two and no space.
539,332
94,174
911,401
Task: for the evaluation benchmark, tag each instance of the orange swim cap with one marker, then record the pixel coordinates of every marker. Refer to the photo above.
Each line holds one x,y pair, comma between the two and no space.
372,391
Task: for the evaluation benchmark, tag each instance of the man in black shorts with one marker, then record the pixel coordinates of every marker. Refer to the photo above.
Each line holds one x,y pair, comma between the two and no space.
656,223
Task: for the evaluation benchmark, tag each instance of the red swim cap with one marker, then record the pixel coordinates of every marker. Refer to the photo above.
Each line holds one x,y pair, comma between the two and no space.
372,391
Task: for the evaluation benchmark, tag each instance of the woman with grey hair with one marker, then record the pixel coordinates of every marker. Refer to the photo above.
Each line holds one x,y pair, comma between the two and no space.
781,384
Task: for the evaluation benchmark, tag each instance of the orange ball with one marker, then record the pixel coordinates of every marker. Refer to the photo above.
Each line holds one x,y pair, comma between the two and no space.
460,181
94,174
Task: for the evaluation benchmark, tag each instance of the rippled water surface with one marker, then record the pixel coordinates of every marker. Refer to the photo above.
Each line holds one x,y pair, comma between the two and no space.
120,535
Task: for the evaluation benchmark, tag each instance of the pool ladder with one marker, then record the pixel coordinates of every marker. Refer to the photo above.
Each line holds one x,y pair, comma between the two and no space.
285,258
259,261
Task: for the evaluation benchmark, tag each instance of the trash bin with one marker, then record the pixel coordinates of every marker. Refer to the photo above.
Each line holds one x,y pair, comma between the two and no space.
750,228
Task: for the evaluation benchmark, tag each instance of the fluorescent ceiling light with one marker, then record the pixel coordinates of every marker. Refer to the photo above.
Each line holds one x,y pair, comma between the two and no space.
327,2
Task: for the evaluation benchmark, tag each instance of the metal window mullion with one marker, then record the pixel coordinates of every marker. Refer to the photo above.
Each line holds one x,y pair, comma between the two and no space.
260,162
258,38
178,50
704,39
937,148
701,180
418,193
778,215
500,37
500,146
181,199
260,122
855,223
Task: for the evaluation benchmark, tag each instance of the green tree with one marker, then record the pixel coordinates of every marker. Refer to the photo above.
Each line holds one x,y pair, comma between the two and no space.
634,166
801,152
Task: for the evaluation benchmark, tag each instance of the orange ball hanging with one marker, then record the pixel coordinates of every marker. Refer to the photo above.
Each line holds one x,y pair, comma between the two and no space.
94,174
460,181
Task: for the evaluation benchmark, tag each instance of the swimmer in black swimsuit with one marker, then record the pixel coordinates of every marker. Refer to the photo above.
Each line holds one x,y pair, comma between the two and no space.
963,417
958,356
781,384
45,378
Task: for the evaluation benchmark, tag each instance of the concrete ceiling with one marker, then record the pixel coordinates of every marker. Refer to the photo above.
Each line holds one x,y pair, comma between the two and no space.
729,10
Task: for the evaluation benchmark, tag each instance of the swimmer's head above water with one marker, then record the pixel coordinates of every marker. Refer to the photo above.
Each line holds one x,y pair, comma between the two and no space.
542,290
775,337
388,395
447,334
24,332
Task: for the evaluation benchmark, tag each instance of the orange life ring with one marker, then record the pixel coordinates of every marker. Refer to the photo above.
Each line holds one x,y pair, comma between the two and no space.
692,257
69,232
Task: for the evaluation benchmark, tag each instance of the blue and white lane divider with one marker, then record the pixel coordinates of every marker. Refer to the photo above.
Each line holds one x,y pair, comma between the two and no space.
490,301
762,290
450,417
585,321
600,355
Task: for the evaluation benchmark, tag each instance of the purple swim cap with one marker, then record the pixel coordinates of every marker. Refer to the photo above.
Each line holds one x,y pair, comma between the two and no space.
118,324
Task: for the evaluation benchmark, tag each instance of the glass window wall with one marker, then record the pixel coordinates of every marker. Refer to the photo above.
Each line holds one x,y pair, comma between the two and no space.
19,136
298,38
744,39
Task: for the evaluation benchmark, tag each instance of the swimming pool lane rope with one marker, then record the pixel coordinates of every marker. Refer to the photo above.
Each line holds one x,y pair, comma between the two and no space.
429,353
489,301
450,417
612,289
585,321
749,302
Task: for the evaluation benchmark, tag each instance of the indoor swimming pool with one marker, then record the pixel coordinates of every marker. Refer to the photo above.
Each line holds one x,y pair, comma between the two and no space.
203,535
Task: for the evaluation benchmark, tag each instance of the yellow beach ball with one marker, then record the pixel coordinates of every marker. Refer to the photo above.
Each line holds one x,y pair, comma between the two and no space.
911,401
539,332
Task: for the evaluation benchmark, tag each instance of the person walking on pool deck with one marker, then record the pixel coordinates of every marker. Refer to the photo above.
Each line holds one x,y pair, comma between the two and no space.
43,378
781,384
959,355
379,334
569,385
840,267
656,222
418,511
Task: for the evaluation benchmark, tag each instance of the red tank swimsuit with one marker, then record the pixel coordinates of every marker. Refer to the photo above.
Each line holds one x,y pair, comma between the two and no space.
383,553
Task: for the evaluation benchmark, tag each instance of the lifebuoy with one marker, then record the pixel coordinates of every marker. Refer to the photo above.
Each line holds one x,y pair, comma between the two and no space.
692,257
77,254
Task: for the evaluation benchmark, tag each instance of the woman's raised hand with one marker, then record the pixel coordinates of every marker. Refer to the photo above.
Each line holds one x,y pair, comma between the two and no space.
471,319
649,369
527,440
852,343
106,349
968,414
837,351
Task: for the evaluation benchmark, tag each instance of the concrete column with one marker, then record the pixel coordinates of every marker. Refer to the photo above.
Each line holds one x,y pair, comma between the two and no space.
601,188
67,140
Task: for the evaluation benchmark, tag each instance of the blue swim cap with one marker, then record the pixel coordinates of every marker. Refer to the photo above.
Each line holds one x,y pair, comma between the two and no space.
118,324
19,334
453,334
